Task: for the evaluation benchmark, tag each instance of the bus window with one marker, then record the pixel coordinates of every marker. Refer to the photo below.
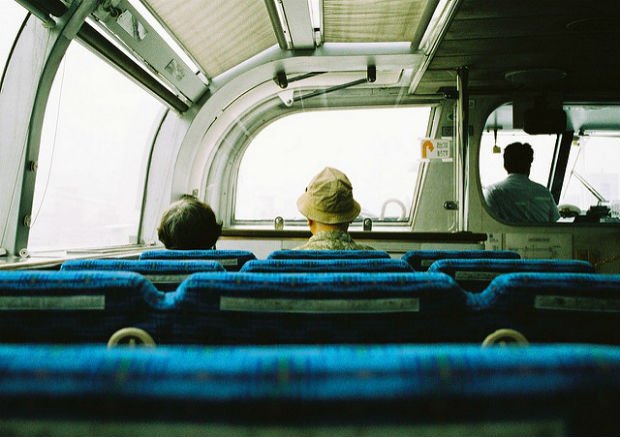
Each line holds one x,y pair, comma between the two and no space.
12,16
382,163
592,175
95,142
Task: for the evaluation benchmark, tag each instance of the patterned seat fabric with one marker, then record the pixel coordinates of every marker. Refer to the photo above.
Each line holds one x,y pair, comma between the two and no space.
552,307
421,260
253,308
326,265
476,274
232,260
538,390
328,254
74,307
166,275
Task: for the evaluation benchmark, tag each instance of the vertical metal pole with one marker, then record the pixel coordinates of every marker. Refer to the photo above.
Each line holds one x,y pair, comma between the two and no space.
462,145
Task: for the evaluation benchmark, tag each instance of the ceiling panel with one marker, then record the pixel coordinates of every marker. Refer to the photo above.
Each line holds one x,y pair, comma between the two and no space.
492,37
371,20
220,35
526,9
514,45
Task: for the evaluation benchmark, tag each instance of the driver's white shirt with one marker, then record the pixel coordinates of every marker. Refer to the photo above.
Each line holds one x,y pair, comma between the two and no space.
517,199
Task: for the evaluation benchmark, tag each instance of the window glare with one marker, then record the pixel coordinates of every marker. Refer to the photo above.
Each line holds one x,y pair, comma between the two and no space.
377,148
95,141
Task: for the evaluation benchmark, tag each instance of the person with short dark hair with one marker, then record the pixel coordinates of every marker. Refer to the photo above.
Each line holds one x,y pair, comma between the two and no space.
329,206
189,224
517,199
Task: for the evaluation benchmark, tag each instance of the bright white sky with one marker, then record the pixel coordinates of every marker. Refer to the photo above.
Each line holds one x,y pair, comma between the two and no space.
11,17
378,149
94,150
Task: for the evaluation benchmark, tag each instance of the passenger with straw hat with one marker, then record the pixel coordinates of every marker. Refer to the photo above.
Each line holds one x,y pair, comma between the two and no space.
329,206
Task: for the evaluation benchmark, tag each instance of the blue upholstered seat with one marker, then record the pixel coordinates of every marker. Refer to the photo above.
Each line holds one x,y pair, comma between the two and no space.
69,307
298,390
328,254
552,307
232,260
326,265
476,274
164,274
310,308
421,260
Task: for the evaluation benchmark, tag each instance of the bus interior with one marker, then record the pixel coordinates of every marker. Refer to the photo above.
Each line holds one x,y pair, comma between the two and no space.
110,110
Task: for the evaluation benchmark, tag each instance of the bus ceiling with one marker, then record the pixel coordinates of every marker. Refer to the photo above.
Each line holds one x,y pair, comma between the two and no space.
184,55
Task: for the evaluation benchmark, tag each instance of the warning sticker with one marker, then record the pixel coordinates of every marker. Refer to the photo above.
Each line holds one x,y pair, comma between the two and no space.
436,148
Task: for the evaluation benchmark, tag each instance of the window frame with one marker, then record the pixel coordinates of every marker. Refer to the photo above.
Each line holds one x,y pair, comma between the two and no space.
559,163
300,224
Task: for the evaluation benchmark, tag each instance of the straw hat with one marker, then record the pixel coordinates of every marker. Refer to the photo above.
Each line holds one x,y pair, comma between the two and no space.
329,198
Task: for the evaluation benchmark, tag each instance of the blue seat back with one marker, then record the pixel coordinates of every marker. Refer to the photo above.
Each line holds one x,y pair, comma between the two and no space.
317,308
166,275
69,307
326,265
287,390
232,260
475,274
552,307
328,254
421,260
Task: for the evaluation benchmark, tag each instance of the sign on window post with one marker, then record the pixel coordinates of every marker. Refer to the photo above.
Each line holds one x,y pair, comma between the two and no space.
436,149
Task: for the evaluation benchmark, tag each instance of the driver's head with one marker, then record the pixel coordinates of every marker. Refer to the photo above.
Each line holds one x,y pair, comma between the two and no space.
518,158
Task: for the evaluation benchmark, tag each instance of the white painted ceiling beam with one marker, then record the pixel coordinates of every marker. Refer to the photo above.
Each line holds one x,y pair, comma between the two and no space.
299,23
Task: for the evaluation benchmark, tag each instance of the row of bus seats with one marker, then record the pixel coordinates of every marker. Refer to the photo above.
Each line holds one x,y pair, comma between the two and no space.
549,390
471,269
166,275
476,274
231,260
388,389
420,260
373,265
263,308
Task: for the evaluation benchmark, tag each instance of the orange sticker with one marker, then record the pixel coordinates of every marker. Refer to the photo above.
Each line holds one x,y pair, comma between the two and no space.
426,147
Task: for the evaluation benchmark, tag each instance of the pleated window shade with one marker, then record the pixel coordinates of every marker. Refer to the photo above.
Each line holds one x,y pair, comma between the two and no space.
219,34
371,20
222,34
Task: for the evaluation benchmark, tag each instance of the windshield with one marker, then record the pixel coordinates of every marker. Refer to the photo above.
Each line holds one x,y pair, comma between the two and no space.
592,175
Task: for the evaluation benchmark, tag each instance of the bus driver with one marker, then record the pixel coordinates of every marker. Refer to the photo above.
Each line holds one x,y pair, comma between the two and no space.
517,199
